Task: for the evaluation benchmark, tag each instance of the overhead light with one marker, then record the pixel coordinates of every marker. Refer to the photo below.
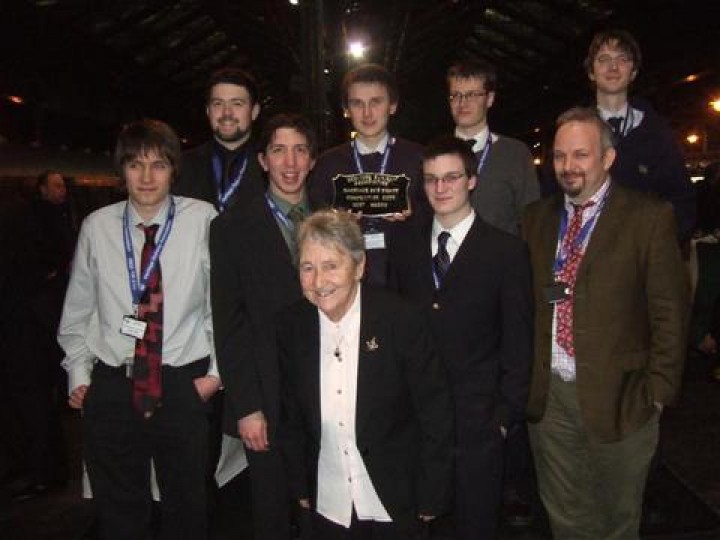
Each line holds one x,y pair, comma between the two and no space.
326,71
692,138
715,104
17,100
357,49
692,77
294,2
537,161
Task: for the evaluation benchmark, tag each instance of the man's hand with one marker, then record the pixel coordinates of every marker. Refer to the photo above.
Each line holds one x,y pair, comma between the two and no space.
708,345
206,386
253,431
77,396
398,216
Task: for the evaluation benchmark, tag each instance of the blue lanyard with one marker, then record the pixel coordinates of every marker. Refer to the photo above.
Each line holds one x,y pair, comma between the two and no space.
232,188
275,209
484,154
385,156
138,287
562,256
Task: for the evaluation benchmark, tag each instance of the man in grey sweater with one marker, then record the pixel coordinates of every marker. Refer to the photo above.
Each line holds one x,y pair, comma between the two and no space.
506,178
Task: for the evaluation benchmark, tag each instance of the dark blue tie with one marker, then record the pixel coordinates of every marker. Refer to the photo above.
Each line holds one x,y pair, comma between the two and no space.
616,124
441,261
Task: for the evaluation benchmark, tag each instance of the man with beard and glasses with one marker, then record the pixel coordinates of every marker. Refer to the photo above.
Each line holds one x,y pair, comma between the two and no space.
611,301
224,171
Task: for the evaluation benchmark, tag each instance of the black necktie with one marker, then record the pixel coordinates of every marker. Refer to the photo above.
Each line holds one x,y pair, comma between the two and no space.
441,260
470,143
616,124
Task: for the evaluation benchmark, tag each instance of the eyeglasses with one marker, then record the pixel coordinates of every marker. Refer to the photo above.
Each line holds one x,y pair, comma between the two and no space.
607,60
447,179
471,96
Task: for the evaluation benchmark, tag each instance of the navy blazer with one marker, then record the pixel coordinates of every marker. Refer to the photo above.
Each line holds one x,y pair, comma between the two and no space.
482,315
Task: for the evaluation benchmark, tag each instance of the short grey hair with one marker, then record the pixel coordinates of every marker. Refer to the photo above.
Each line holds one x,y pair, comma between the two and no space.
588,115
334,227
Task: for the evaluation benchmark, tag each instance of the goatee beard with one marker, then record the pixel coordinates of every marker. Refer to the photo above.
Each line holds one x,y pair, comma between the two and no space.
237,136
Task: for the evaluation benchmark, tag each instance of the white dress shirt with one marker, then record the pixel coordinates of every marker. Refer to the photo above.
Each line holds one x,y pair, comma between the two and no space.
342,480
562,364
633,120
98,295
363,149
457,235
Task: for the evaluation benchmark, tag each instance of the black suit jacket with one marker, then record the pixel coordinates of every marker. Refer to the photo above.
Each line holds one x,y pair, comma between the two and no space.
481,316
404,418
197,179
252,279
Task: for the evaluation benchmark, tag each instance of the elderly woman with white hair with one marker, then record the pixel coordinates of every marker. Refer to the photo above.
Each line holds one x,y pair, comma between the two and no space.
367,427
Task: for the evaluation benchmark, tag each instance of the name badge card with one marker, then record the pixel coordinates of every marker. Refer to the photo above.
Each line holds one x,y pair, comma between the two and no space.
374,240
133,327
373,194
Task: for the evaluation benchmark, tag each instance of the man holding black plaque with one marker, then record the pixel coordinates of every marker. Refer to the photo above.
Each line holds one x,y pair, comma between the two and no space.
376,174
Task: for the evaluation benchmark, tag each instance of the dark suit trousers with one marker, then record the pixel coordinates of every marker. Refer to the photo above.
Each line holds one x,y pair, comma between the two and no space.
324,529
270,496
119,446
479,475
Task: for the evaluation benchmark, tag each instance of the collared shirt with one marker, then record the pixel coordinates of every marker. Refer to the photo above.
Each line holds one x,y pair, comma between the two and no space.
286,207
98,296
633,121
363,149
562,363
480,138
343,480
457,235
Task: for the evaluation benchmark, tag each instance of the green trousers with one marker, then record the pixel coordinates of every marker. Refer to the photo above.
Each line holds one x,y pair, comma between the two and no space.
591,490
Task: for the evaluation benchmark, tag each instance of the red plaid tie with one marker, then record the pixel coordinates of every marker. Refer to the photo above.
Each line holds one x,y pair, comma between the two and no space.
147,368
568,274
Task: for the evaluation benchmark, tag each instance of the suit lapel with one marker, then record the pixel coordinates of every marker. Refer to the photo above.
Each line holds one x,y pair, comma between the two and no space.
275,239
550,224
464,254
370,352
607,228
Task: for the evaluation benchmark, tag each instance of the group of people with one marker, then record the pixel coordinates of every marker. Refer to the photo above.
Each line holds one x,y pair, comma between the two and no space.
377,368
